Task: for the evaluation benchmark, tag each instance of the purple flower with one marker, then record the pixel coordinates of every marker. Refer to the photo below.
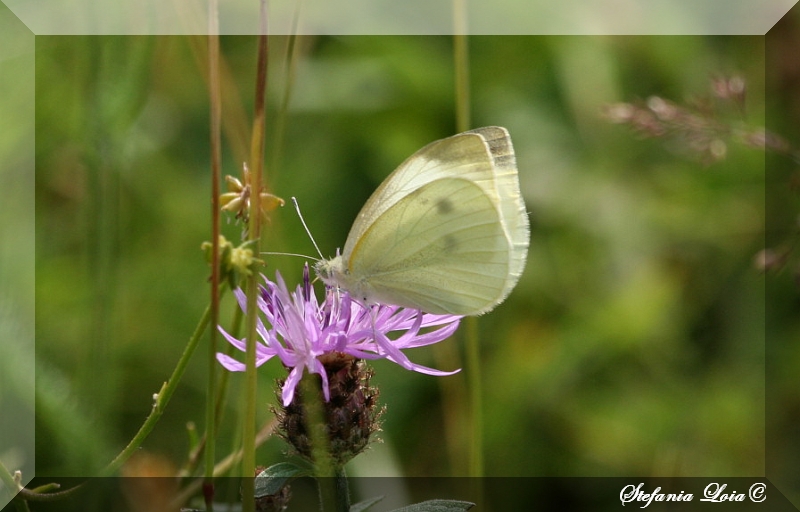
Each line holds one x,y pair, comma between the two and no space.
300,331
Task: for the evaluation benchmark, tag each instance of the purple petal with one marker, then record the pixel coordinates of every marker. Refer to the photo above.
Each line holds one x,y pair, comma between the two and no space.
287,393
298,329
230,363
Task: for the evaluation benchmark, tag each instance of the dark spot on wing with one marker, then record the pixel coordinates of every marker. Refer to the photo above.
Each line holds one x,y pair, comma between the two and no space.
444,206
450,243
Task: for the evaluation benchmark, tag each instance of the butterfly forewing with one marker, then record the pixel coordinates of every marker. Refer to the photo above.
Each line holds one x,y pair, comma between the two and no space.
465,155
446,232
440,248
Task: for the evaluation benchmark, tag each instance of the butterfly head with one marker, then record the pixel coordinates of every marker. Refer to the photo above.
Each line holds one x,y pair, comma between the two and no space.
336,274
331,271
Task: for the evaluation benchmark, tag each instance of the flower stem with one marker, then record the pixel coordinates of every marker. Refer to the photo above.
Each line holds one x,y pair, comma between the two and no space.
334,492
475,396
461,62
251,382
215,99
254,235
315,418
161,399
331,479
22,506
9,487
342,491
7,478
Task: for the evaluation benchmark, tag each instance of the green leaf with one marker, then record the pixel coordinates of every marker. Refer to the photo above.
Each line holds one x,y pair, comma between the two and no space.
364,505
437,506
272,479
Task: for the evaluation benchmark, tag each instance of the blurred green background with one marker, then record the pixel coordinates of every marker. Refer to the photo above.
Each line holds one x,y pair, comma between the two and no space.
634,343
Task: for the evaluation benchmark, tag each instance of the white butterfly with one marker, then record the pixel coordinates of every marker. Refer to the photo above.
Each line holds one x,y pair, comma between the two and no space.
447,232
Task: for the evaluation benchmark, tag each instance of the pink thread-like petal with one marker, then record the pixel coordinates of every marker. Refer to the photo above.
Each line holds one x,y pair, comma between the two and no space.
299,330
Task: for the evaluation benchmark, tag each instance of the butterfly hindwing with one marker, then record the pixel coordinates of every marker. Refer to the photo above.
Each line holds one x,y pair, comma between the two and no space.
441,248
446,232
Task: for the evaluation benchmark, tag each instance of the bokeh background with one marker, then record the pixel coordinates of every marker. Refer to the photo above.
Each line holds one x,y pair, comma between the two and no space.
634,343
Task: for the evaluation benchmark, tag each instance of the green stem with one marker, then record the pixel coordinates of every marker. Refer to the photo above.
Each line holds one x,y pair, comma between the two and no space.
334,492
21,496
325,471
254,234
10,487
461,61
251,388
236,439
257,161
162,398
8,480
475,396
21,506
215,98
342,491
315,426
236,326
199,446
473,370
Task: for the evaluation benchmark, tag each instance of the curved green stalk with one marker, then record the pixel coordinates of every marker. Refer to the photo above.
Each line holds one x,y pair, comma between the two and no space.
161,399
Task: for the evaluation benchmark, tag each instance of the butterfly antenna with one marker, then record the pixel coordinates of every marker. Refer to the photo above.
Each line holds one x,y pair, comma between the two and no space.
303,221
290,254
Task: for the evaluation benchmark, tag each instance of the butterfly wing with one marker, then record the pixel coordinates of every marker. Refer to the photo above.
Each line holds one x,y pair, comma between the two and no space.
512,207
466,155
400,249
441,248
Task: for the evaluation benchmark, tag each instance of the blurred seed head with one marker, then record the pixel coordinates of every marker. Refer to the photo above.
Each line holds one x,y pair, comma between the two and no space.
769,259
731,88
702,128
237,198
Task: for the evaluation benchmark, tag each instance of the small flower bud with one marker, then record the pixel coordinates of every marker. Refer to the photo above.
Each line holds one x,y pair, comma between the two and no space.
237,199
235,263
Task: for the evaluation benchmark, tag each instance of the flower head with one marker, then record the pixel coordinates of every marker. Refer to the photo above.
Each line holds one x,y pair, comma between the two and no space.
303,333
237,198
